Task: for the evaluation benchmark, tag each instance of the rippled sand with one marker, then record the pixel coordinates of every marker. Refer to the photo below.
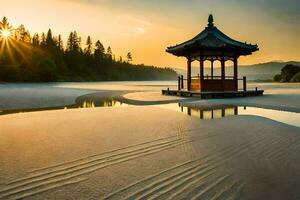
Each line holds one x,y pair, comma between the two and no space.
146,152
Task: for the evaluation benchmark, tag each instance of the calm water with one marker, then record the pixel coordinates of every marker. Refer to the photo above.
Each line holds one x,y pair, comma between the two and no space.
84,103
125,85
290,118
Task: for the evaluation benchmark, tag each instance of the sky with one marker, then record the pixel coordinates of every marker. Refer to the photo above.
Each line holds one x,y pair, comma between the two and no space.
147,27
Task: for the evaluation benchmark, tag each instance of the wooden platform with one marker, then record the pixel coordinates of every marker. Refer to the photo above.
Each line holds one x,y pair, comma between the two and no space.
211,95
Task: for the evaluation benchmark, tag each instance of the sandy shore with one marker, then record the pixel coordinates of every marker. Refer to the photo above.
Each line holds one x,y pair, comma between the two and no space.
146,151
92,153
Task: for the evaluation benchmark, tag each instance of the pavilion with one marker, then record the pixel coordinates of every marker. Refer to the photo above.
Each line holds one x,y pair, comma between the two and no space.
212,45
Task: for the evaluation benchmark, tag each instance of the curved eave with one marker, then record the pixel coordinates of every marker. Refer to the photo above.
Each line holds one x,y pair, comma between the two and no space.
200,49
214,40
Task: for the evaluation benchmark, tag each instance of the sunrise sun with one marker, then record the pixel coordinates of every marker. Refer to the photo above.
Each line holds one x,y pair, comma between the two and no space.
5,33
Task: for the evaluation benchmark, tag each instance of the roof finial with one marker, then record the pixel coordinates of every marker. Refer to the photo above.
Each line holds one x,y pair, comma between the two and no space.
210,21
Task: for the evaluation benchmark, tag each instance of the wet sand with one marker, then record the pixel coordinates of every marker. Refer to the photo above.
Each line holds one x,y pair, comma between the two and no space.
148,152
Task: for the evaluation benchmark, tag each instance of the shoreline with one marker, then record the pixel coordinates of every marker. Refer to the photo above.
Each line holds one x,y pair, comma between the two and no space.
122,151
41,96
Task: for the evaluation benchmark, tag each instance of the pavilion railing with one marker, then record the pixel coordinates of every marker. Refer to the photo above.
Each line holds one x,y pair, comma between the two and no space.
217,77
182,82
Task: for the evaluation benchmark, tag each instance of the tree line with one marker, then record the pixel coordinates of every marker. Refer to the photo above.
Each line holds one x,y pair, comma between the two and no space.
44,58
289,73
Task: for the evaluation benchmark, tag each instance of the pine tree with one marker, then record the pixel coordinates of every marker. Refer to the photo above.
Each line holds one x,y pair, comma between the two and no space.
49,39
4,25
77,42
36,39
99,53
99,48
70,42
60,43
89,46
129,57
21,33
27,37
73,43
109,53
43,40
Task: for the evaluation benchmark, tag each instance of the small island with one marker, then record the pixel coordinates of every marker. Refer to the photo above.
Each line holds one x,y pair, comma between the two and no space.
289,73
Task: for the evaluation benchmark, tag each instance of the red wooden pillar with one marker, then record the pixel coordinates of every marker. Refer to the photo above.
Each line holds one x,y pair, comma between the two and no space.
223,67
223,70
223,112
182,82
189,69
189,111
235,71
244,83
201,71
212,69
236,110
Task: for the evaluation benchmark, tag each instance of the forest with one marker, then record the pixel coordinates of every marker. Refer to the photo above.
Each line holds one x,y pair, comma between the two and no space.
45,57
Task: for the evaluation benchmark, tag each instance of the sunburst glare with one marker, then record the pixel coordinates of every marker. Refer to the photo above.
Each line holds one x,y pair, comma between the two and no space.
5,33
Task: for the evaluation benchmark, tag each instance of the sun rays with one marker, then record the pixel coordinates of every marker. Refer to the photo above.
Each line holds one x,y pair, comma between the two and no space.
5,34
6,49
5,29
13,43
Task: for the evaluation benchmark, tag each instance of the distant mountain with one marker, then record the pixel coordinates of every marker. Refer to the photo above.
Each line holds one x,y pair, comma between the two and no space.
256,72
263,71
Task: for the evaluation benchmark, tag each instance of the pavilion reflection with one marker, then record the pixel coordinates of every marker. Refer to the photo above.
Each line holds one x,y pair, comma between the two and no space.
210,113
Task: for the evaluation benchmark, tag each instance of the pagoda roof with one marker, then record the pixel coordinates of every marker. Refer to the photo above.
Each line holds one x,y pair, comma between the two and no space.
212,42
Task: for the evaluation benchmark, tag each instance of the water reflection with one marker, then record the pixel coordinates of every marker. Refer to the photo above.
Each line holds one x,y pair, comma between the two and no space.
290,118
99,103
82,103
88,104
210,113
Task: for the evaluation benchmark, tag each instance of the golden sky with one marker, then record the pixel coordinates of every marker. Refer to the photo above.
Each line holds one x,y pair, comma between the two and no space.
147,27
